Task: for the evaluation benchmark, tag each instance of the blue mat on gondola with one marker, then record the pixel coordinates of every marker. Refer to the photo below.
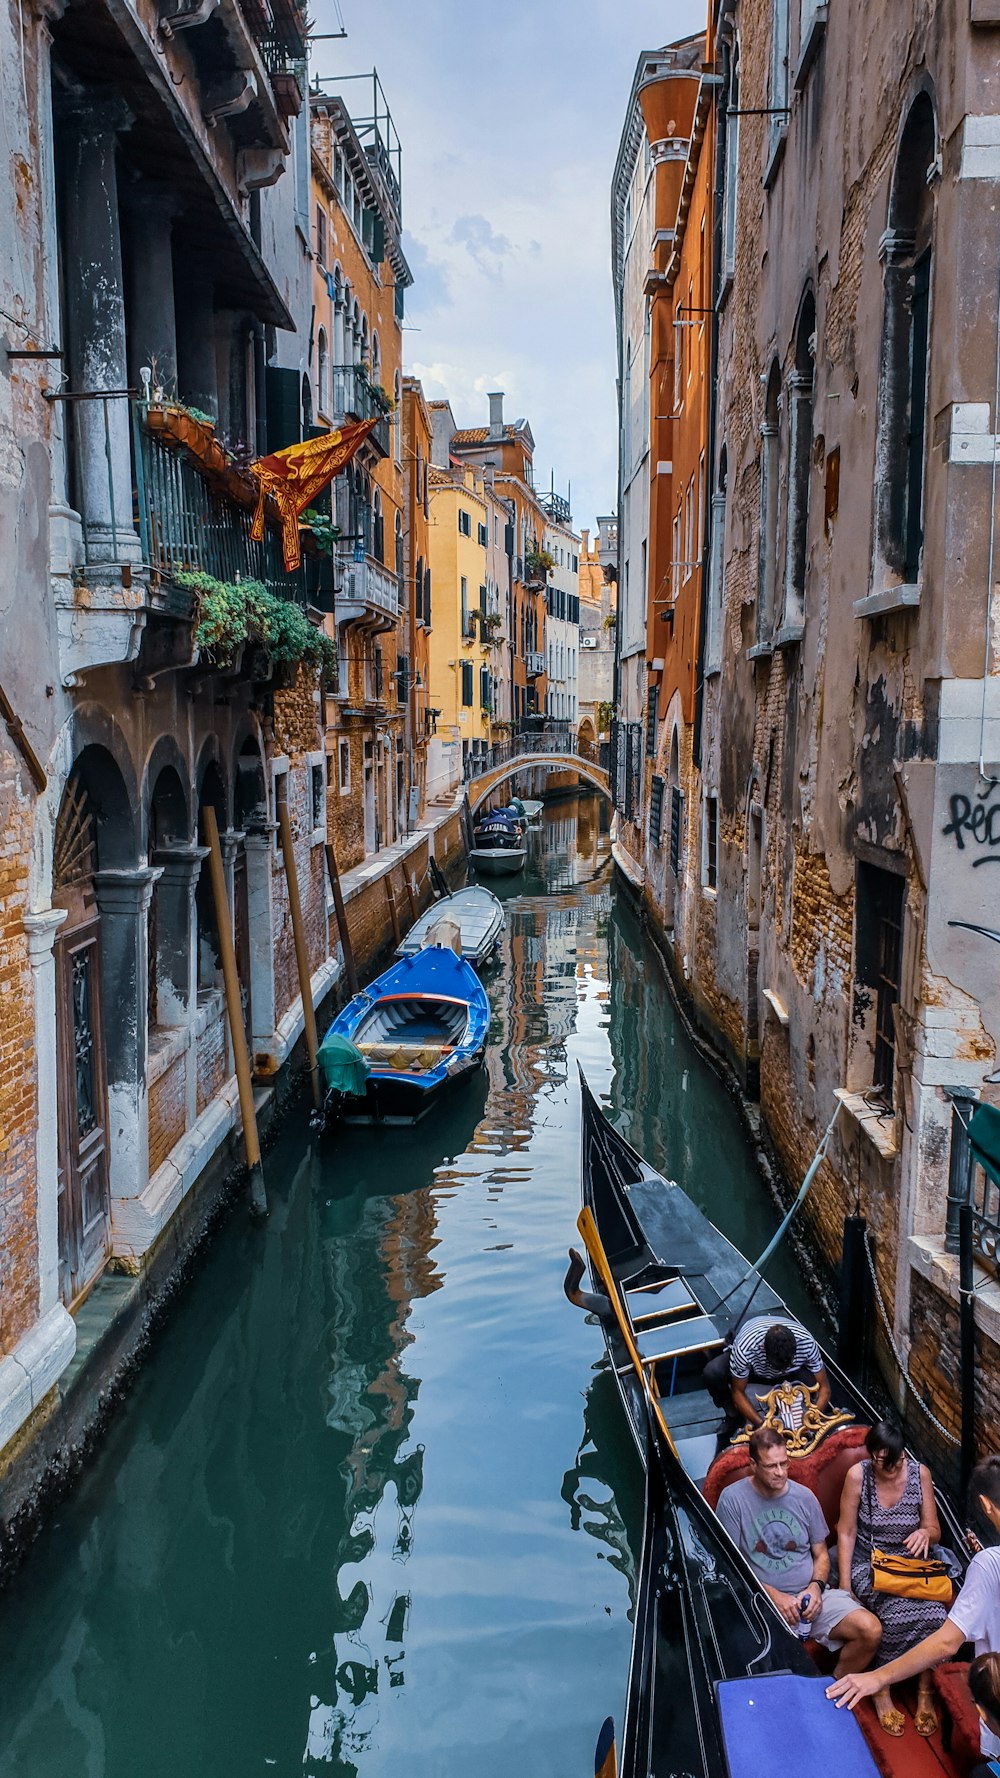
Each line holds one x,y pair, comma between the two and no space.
784,1718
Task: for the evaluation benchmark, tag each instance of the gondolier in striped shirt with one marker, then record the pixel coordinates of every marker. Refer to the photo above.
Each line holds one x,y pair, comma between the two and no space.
767,1350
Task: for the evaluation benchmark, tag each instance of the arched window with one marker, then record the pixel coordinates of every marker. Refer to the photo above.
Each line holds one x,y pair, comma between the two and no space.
363,349
717,567
397,418
902,401
338,316
376,360
399,548
307,407
378,527
322,374
800,438
418,590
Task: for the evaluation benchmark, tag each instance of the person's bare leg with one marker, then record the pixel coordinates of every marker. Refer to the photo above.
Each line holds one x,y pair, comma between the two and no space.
925,1720
858,1635
890,1719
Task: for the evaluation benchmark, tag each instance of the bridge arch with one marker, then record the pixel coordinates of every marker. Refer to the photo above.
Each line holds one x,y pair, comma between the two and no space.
483,786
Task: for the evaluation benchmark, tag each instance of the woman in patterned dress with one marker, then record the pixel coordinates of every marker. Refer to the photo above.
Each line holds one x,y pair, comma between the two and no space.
888,1504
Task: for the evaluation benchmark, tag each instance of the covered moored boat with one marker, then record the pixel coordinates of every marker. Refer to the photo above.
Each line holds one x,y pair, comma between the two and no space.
478,915
418,1027
498,845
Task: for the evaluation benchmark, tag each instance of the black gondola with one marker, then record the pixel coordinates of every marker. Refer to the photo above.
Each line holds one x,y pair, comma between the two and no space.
711,1655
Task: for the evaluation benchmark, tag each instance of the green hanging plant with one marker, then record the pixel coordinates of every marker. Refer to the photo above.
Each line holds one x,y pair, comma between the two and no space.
324,532
232,613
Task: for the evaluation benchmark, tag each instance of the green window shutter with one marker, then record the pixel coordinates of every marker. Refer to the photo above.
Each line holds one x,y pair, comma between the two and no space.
467,682
283,398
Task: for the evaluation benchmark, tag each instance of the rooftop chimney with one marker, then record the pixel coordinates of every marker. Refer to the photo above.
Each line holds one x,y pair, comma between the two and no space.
496,414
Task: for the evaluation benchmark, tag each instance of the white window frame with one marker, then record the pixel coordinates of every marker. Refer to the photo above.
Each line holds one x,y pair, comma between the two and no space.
343,752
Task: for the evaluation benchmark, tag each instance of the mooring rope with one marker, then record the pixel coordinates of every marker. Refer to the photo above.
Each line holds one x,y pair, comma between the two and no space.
904,1373
777,1237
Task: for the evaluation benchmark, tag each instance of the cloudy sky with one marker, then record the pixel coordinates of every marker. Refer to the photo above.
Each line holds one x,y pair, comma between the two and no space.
510,119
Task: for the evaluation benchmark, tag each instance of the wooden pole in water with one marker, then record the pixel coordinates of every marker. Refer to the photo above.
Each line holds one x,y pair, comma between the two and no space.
341,913
394,917
407,885
234,1010
299,936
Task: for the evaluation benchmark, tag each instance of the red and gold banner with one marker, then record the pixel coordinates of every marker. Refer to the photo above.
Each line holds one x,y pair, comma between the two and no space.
293,478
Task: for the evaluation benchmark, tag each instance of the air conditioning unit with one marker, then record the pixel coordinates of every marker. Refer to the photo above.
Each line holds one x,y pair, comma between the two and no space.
588,641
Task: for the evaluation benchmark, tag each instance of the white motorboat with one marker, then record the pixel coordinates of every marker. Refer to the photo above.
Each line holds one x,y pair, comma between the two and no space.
478,915
498,861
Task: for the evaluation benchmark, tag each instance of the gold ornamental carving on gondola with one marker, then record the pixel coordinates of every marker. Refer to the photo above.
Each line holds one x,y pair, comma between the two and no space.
791,1408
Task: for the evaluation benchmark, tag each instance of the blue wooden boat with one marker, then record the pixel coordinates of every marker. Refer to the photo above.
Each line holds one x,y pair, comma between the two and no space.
417,1028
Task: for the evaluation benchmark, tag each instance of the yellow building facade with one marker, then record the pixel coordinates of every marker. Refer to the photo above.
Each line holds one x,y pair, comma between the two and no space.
467,627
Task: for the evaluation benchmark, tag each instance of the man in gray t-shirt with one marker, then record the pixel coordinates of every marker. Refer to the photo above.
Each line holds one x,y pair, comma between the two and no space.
780,1529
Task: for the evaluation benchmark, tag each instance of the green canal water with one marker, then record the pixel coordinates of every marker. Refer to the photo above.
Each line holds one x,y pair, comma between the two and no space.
370,1507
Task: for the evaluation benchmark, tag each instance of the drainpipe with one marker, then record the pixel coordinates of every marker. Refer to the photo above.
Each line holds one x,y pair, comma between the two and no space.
713,403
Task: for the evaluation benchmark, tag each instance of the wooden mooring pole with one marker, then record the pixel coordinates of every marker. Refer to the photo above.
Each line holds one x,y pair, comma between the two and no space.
299,936
393,915
234,1010
341,913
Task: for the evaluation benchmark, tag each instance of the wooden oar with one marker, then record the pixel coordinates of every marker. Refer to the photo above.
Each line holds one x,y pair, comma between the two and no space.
592,1241
605,1756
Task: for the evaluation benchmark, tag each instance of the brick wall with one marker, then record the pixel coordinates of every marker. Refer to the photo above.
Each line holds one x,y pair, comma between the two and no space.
18,1112
167,1109
211,1062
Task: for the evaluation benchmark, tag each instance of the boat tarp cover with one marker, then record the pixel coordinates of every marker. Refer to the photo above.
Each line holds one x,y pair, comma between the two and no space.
984,1139
783,1715
343,1068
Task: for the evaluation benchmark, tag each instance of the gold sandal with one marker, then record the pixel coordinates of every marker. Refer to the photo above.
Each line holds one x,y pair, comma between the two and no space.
925,1721
891,1722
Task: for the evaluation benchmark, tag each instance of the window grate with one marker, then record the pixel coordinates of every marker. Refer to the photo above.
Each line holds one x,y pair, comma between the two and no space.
656,811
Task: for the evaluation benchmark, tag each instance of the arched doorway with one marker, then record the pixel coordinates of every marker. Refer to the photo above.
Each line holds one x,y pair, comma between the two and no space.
586,740
92,875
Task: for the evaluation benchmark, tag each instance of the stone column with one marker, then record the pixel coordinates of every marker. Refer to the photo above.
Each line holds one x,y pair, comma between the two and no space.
123,898
259,847
150,211
64,521
41,930
95,306
176,921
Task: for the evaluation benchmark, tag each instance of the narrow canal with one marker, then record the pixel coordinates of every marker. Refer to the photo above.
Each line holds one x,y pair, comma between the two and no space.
370,1506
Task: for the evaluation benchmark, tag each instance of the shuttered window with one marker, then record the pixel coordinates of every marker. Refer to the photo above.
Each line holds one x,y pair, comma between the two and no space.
656,811
467,682
676,828
651,696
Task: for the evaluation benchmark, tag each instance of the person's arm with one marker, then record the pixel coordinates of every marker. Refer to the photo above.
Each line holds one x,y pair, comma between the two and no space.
941,1646
847,1525
919,1542
788,1604
824,1389
820,1576
742,1402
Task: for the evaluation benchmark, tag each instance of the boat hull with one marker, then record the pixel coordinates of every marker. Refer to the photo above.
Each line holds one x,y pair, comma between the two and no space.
498,861
419,1027
479,917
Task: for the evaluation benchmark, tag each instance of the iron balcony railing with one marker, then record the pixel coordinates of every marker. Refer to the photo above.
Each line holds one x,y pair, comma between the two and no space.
562,741
367,583
353,396
186,524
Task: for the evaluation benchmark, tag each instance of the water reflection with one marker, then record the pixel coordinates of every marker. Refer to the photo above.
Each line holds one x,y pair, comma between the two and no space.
370,1506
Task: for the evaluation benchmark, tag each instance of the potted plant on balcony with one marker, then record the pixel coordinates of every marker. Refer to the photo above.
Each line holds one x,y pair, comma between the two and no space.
321,528
538,564
287,91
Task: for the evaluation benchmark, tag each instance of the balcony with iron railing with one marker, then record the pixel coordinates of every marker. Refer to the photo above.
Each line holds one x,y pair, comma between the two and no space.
159,501
353,396
367,593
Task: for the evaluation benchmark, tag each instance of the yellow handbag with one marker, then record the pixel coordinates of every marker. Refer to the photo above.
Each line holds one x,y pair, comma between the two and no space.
911,1577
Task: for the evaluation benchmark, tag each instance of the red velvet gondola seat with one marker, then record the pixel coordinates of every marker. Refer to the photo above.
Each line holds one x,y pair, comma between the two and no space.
823,1470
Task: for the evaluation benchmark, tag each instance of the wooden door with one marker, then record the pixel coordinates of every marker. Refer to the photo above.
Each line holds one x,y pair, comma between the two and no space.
84,1193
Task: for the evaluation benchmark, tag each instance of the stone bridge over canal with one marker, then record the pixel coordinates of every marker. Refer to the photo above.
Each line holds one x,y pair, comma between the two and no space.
528,753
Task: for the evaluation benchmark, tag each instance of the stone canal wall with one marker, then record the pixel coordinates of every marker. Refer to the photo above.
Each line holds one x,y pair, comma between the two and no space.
116,1322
